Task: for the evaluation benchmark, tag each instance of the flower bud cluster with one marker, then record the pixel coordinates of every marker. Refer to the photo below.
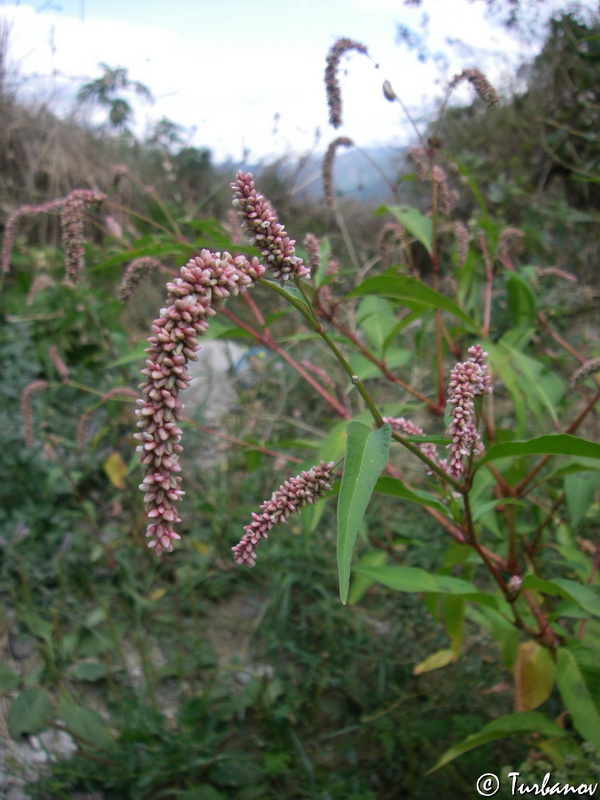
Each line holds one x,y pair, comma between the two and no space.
260,221
59,364
28,391
291,495
204,283
428,449
313,251
468,380
134,273
71,209
72,213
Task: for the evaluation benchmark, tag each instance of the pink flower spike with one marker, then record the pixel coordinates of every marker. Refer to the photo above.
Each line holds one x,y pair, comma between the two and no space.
291,495
260,221
204,283
468,379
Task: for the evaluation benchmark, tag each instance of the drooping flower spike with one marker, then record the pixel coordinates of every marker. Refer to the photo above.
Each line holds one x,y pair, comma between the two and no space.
332,84
71,209
204,283
484,89
291,496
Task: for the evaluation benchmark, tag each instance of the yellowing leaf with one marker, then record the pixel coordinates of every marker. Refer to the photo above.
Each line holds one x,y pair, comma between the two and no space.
157,594
534,676
115,468
436,660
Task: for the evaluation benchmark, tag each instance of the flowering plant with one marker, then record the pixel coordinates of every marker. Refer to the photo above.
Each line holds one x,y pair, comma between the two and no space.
447,375
502,495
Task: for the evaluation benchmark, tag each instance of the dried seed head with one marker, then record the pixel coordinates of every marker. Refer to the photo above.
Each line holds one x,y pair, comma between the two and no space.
591,367
28,391
138,269
332,85
479,82
328,159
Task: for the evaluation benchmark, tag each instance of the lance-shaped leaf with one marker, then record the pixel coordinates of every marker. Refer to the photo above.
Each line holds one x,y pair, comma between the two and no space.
366,456
396,488
412,293
534,676
558,444
510,725
584,596
416,223
578,696
415,579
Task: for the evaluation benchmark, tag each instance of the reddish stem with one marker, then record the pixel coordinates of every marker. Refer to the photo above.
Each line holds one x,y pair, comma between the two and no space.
433,407
267,341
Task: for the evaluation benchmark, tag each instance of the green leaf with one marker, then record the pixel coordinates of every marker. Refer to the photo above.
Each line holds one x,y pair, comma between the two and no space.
396,488
580,490
136,354
35,624
500,362
86,725
324,253
415,579
544,384
521,299
416,223
577,697
361,583
437,660
29,712
534,676
412,293
376,317
366,456
504,633
454,619
557,444
583,595
513,724
8,679
88,671
334,444
366,369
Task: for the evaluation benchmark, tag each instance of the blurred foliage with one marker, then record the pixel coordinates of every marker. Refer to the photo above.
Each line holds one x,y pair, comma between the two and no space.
535,158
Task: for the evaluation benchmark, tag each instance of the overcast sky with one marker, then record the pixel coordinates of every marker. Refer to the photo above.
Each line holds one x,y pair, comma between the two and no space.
242,74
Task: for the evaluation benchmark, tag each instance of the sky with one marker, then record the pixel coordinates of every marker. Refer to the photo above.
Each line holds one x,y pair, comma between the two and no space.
245,77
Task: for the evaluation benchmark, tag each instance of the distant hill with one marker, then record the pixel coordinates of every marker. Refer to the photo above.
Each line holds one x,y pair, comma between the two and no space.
357,173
